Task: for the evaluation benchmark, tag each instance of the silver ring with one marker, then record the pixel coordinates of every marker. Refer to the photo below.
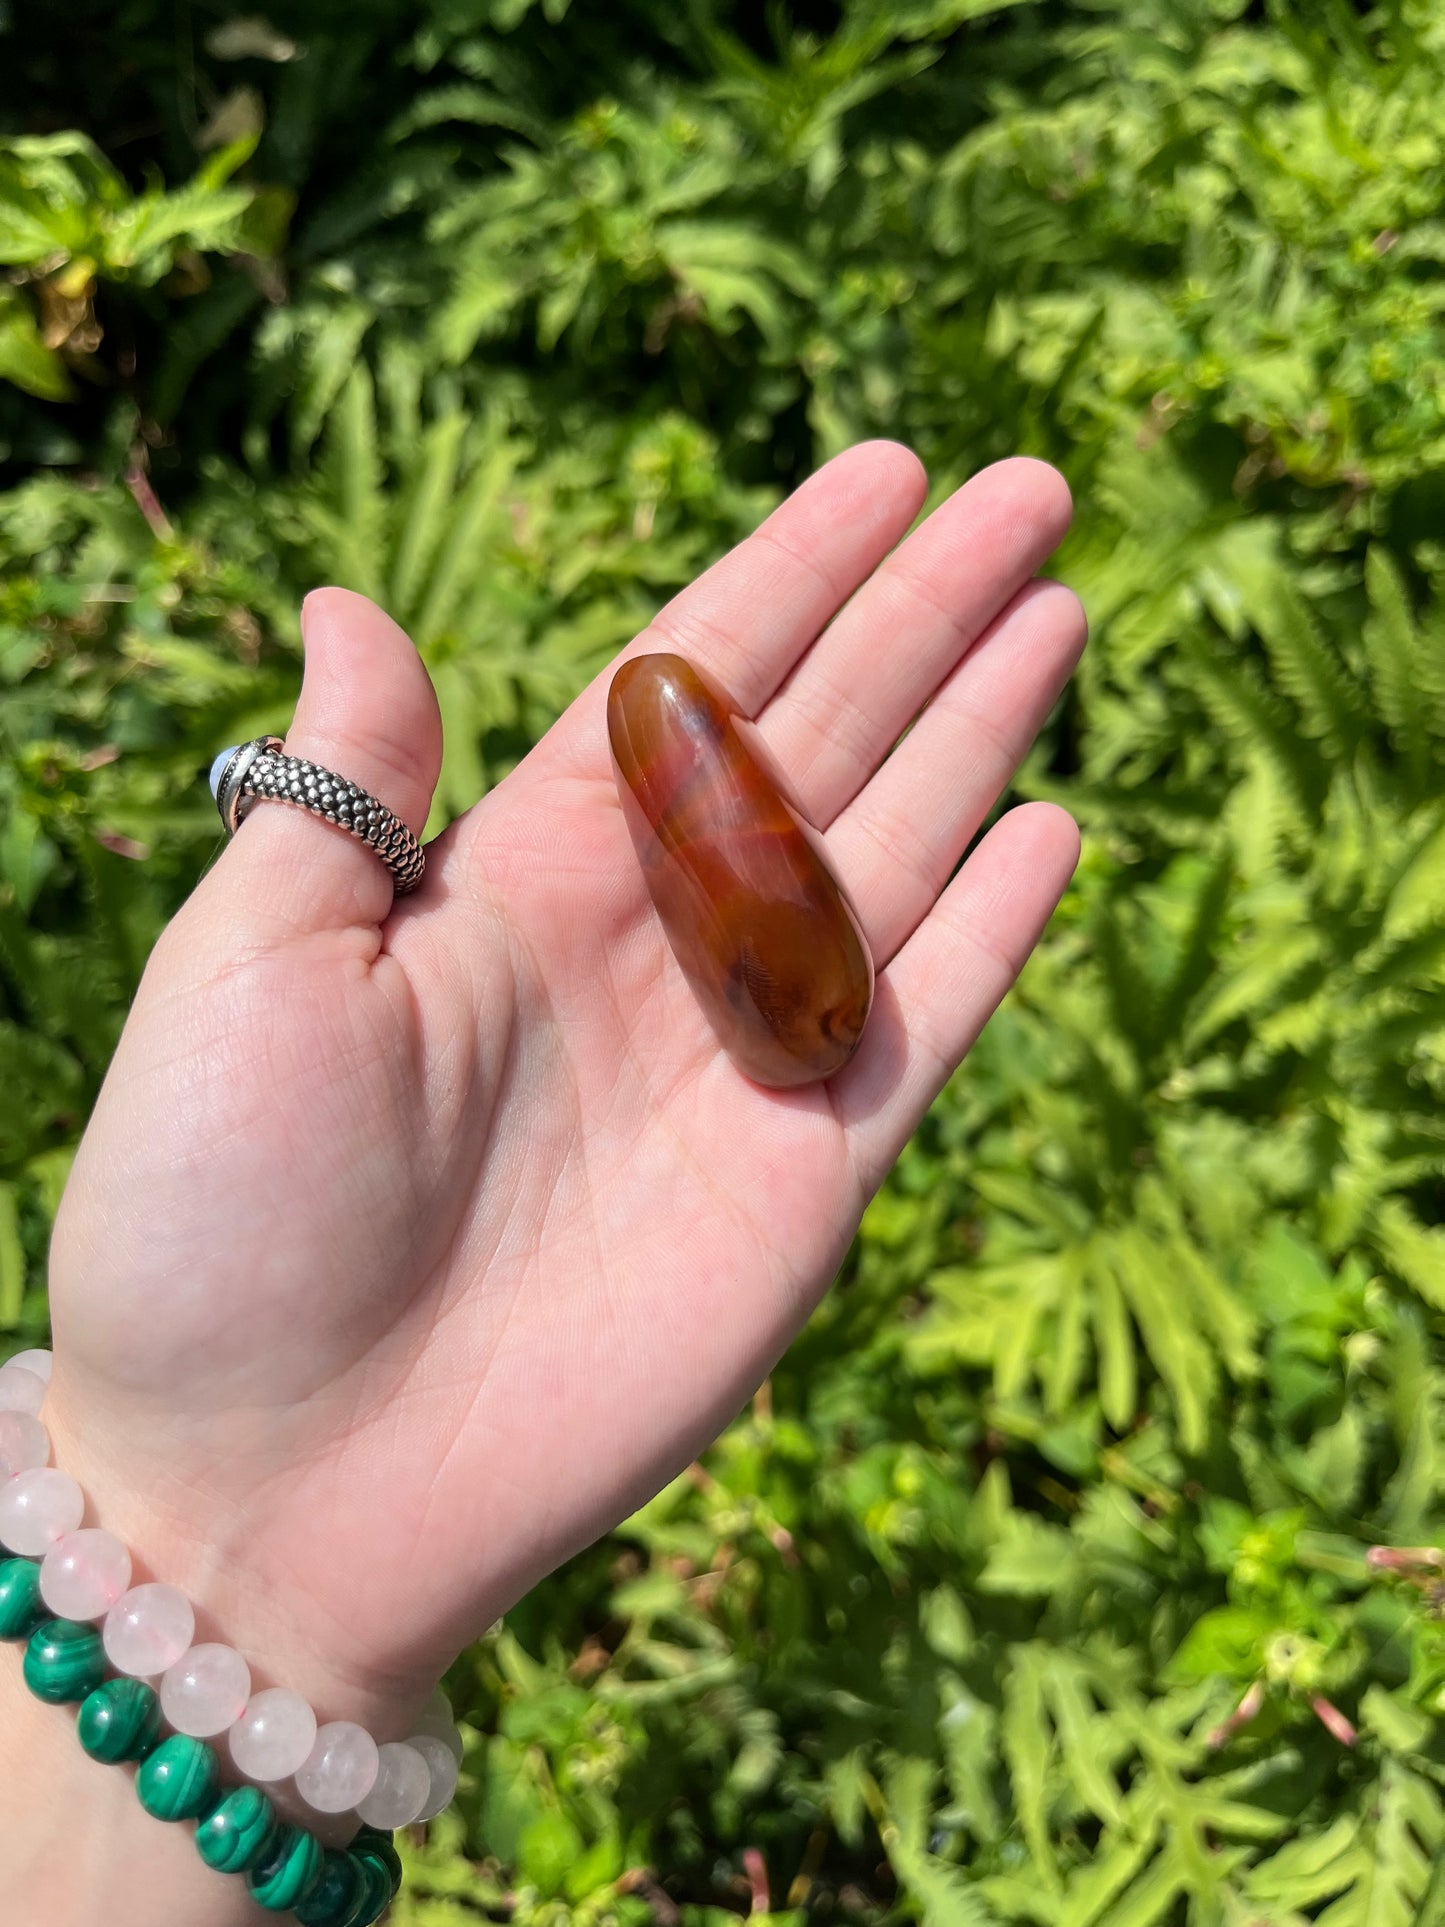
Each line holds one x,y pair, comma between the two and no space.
248,773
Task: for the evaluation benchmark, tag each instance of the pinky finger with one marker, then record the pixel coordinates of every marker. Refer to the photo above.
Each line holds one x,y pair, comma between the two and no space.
945,983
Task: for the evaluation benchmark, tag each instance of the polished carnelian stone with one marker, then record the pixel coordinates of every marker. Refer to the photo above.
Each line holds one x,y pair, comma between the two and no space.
764,934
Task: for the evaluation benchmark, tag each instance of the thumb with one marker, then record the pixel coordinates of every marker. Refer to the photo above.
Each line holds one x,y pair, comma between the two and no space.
368,712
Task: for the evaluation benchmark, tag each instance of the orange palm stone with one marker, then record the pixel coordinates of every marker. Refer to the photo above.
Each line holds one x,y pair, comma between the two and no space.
763,932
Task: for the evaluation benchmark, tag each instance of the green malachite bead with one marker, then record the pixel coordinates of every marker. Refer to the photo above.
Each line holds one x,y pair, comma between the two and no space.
21,1610
63,1661
290,1870
236,1833
179,1780
371,1842
120,1720
376,1891
336,1893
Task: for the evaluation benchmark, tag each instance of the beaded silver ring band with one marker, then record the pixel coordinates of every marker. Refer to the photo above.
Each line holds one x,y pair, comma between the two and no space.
259,770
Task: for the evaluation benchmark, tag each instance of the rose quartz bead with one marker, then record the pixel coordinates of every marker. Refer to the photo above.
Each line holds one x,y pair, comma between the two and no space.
24,1442
274,1736
21,1390
83,1574
403,1781
148,1630
37,1507
206,1690
437,1721
36,1361
340,1769
442,1765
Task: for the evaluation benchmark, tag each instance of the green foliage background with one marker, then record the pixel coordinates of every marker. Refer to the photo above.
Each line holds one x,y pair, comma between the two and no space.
514,315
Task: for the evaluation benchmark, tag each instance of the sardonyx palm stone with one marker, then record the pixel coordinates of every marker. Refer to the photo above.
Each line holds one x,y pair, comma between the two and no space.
765,936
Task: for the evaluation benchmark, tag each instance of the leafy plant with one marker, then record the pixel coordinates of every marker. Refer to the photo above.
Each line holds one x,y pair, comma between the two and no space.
1082,1565
69,222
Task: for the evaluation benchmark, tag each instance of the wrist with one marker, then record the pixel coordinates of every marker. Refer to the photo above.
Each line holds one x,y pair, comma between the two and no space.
344,1744
83,1577
241,1598
77,1846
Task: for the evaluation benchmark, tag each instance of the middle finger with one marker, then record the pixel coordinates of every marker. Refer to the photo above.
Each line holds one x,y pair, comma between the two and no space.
857,689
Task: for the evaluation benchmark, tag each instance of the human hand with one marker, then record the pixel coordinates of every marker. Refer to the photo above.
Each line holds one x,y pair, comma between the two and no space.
409,1248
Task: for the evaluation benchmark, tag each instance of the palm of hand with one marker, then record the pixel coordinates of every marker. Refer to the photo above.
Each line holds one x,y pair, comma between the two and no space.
401,1259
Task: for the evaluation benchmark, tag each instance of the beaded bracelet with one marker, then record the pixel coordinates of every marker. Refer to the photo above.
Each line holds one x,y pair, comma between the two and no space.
178,1778
67,1576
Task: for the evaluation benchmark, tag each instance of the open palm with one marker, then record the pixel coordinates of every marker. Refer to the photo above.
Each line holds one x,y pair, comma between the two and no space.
409,1248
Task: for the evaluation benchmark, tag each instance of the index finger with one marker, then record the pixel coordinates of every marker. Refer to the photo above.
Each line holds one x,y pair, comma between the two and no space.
749,618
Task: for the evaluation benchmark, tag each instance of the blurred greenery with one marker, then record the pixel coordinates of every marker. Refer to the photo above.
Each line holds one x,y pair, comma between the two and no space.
515,314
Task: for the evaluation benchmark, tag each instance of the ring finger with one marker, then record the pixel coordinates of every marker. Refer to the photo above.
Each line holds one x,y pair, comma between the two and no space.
896,845
861,684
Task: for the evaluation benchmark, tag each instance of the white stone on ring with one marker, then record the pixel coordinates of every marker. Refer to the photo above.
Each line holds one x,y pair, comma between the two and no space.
218,770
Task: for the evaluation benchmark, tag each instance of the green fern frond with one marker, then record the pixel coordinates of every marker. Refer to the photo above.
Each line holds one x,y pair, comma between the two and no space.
1024,1734
1195,960
1308,669
1393,653
1257,725
426,495
1415,1251
1392,1870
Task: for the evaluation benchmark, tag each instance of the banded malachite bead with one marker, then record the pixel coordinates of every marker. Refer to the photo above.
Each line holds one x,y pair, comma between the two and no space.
290,1870
63,1661
338,1891
374,1896
236,1834
179,1780
120,1720
21,1610
378,1844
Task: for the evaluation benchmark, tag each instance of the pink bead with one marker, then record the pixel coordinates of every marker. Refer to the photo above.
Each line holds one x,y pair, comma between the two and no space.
274,1736
437,1721
403,1781
148,1630
206,1690
37,1507
442,1765
36,1361
341,1768
21,1390
83,1574
24,1443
